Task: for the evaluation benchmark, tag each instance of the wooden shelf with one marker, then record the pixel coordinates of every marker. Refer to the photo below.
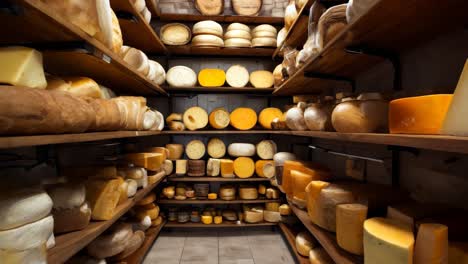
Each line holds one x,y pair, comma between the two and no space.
290,237
188,50
326,239
222,18
218,201
199,89
389,27
222,132
69,244
68,50
150,236
136,32
224,224
215,179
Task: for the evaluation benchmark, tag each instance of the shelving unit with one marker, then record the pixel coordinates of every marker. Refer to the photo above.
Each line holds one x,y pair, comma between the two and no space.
290,238
201,225
222,18
188,50
215,179
69,244
326,239
217,201
150,236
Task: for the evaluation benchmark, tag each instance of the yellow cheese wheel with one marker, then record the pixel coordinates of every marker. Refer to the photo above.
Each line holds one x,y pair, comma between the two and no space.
219,118
195,118
157,221
207,219
265,168
243,118
300,182
313,191
272,206
218,220
267,115
153,213
147,200
261,79
244,167
227,168
211,77
175,151
212,196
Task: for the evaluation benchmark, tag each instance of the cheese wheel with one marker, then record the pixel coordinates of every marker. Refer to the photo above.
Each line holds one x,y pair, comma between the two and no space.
265,27
244,167
28,236
253,216
181,76
241,150
295,118
161,150
264,42
281,37
284,209
212,196
243,118
132,187
195,150
237,76
195,118
138,60
319,256
237,43
272,206
265,168
153,213
37,255
227,192
111,243
271,216
207,40
181,167
237,33
207,219
196,168
207,27
174,117
248,192
219,118
175,151
349,227
431,244
22,207
216,148
304,243
213,167
159,74
227,168
218,219
149,161
266,149
238,26
175,34
147,199
168,167
261,189
261,79
264,34
134,243
211,77
267,115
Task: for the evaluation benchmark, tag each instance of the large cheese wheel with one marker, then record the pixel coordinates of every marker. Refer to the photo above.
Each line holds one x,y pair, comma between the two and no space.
134,243
181,76
211,77
207,40
216,148
237,33
66,196
237,76
241,150
28,236
266,149
244,167
112,242
253,216
175,151
237,43
37,255
261,79
431,244
175,34
304,243
238,26
243,118
271,216
195,149
265,168
22,207
207,27
264,27
219,118
248,192
195,118
267,115
349,227
264,42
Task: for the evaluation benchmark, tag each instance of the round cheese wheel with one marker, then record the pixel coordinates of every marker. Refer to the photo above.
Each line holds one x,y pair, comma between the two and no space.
147,199
132,187
138,60
244,167
237,76
304,243
195,118
281,37
264,34
227,192
241,150
22,207
181,76
267,115
264,42
211,77
67,196
253,217
248,193
243,118
175,34
261,79
134,243
207,40
266,149
219,117
271,216
237,43
265,27
28,236
265,168
175,151
216,148
209,27
238,26
111,243
195,149
237,33
159,72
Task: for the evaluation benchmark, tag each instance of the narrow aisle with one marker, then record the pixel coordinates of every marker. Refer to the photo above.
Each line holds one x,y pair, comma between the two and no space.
208,246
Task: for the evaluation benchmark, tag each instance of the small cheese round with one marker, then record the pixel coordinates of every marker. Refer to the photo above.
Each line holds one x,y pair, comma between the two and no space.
207,40
207,27
284,209
237,33
241,150
248,193
195,149
244,167
181,76
175,34
237,43
267,116
264,42
265,27
266,149
195,118
264,34
243,118
212,196
261,79
207,219
216,148
304,243
237,76
271,216
219,118
238,26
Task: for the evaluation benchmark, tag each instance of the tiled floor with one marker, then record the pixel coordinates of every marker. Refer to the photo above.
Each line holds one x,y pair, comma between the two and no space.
209,246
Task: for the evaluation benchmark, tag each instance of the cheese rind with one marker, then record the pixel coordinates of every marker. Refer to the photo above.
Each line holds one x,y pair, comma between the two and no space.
211,77
241,150
431,244
216,148
22,66
213,167
244,167
175,151
103,197
181,76
349,227
267,115
195,149
36,255
28,236
219,118
243,118
454,122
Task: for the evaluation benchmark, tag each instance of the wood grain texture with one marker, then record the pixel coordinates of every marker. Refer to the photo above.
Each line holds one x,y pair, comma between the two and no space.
290,238
326,239
218,201
150,236
188,50
215,179
224,224
223,18
69,244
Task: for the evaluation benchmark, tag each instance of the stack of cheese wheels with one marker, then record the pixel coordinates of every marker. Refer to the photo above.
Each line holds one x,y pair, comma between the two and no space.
264,36
237,36
207,33
244,166
140,6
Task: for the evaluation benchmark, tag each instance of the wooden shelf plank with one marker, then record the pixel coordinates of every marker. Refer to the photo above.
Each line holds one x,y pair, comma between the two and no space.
399,28
218,201
150,236
222,132
215,179
326,239
188,50
69,244
200,89
291,239
222,18
137,33
224,224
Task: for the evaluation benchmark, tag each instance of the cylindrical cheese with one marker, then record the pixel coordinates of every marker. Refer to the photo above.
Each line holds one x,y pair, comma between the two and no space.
241,150
264,42
175,34
284,209
264,34
265,168
227,168
195,118
216,148
175,151
207,40
251,216
271,216
213,167
261,79
181,76
227,192
349,227
237,43
237,75
248,193
218,219
196,168
207,219
181,167
28,236
237,33
219,118
267,115
244,167
238,26
243,118
211,77
264,27
195,149
207,27
304,243
266,149
212,196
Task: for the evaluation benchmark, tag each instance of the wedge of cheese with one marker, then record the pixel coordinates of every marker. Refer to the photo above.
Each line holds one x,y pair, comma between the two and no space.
216,148
103,197
431,244
195,118
149,161
317,171
349,227
261,79
211,77
22,66
265,168
227,168
213,167
195,149
267,116
244,167
243,118
313,191
219,118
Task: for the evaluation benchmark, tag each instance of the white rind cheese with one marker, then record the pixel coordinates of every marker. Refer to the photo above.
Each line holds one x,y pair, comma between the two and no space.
241,150
28,236
181,76
207,40
237,43
36,255
207,27
67,196
237,76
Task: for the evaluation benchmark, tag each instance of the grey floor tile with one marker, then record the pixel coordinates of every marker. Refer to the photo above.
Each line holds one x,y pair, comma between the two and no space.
165,241
235,251
163,256
271,254
235,261
201,241
200,254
